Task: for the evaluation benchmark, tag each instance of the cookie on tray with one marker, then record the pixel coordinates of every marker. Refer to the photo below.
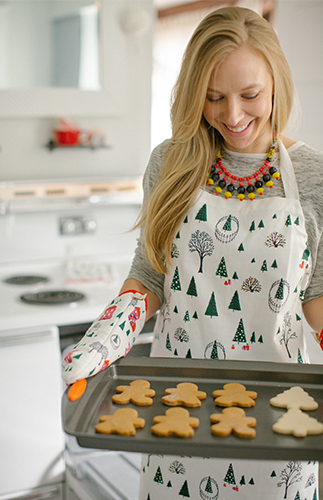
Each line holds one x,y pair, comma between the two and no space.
175,422
234,394
124,422
295,397
138,393
186,394
233,420
297,423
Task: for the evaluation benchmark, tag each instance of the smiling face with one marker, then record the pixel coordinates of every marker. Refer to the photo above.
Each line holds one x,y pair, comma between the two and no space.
239,101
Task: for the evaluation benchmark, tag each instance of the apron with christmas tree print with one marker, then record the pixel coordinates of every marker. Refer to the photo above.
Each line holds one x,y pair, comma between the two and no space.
234,290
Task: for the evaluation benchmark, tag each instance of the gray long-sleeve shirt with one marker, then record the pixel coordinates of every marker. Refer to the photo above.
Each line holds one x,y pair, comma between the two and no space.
308,166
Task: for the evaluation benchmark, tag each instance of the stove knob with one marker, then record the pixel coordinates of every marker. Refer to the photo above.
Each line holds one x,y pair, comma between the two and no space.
70,226
89,225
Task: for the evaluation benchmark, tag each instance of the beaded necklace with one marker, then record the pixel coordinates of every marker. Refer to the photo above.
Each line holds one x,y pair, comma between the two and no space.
229,183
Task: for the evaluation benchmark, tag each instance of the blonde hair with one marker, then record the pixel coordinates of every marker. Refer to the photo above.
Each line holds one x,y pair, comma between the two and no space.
194,142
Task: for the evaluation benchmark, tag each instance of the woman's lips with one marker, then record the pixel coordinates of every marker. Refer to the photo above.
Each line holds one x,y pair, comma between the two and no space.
238,130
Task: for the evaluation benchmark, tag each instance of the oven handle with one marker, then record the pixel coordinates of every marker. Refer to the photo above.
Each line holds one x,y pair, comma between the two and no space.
42,495
32,335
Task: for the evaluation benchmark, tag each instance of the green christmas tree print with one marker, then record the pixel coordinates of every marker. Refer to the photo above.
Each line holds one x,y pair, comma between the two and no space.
242,481
235,302
297,497
222,269
184,490
241,248
274,264
315,495
195,315
264,266
178,236
252,226
176,284
260,340
175,310
192,288
296,221
211,309
227,225
299,357
158,476
208,486
273,474
185,220
261,224
240,335
201,214
288,221
251,481
229,477
188,354
235,276
280,290
175,352
168,344
306,253
214,353
169,484
186,317
253,338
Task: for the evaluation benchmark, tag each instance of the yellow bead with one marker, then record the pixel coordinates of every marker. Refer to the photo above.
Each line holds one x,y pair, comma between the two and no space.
251,196
241,196
210,181
260,190
227,194
269,184
276,175
218,189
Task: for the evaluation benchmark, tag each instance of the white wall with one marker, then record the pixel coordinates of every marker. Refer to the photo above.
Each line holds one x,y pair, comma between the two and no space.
300,30
23,155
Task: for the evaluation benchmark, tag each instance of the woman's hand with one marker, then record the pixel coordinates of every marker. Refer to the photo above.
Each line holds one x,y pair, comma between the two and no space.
313,312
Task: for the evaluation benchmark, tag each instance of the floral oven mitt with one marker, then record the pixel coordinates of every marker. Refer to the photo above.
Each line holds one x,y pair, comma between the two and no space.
110,337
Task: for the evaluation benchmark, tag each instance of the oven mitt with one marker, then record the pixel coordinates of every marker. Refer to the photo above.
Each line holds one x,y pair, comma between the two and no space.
110,337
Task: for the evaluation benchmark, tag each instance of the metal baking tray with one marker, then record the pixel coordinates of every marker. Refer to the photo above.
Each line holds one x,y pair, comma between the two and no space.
267,379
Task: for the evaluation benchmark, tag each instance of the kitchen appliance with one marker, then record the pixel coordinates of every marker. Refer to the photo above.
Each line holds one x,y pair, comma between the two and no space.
63,258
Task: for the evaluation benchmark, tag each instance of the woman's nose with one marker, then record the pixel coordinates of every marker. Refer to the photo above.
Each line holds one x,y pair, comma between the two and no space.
233,112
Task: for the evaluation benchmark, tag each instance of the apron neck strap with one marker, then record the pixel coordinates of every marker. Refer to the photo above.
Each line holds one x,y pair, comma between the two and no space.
287,173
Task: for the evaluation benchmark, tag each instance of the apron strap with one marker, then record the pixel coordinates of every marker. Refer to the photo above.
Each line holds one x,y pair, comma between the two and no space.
287,173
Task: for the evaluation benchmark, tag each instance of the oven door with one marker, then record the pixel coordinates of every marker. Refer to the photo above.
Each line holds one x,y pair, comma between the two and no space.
31,435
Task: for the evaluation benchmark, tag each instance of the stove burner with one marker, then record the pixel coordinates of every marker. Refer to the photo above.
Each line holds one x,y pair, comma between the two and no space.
26,280
52,297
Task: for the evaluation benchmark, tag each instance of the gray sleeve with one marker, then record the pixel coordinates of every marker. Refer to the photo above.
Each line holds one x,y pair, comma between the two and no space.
140,269
308,165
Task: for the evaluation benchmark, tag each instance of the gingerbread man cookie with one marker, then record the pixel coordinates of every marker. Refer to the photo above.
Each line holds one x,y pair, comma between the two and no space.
124,422
233,420
138,393
185,394
234,394
175,422
297,423
295,397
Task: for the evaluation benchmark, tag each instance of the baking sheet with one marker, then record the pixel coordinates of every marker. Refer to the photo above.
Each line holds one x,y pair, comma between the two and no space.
267,379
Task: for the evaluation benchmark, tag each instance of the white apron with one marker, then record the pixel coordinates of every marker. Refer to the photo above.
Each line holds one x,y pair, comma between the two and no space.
239,271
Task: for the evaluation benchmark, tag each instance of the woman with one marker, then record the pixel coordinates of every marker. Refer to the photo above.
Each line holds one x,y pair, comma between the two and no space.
231,240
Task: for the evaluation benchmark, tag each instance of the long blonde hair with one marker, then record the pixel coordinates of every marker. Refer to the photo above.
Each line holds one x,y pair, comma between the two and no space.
194,142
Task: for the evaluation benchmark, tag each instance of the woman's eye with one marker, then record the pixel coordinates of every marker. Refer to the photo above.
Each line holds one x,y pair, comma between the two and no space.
250,97
214,99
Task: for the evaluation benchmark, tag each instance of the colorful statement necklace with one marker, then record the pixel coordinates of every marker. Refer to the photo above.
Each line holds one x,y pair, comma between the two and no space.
243,186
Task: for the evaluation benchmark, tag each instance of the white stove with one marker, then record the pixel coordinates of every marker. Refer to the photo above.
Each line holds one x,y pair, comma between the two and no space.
49,249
